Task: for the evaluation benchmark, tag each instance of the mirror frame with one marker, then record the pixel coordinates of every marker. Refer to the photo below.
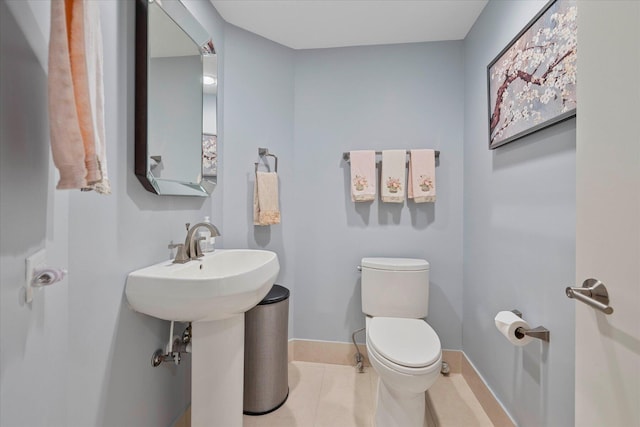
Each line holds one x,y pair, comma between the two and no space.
142,167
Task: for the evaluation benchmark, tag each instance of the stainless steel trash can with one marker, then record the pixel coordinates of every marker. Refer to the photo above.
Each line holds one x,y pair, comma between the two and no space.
266,379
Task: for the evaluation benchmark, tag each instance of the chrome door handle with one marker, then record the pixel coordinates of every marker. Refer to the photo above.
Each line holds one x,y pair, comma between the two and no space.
593,293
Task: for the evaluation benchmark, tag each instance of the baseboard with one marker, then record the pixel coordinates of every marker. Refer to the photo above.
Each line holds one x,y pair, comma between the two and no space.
485,396
454,360
185,419
332,352
342,353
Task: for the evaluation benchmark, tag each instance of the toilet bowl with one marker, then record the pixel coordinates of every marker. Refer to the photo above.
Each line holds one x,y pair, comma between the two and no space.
403,349
407,356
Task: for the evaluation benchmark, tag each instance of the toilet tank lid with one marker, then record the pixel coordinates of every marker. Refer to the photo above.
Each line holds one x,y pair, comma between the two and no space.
395,264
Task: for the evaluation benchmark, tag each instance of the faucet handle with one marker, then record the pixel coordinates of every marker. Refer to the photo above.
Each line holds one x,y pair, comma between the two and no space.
198,247
181,254
188,225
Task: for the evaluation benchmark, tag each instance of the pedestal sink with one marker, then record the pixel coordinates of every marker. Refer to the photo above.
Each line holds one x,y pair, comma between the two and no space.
213,293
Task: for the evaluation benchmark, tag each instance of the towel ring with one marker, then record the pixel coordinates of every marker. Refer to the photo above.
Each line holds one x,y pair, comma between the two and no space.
263,152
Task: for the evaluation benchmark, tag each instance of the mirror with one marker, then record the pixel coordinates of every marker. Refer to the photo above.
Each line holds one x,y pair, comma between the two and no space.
176,101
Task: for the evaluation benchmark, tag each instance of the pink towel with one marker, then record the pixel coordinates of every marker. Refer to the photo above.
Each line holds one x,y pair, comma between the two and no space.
394,172
363,175
74,118
422,176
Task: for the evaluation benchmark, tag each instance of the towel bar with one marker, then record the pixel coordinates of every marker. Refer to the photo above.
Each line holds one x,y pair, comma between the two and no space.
347,155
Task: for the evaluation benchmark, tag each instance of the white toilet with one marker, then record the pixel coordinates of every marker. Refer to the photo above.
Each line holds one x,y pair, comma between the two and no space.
403,349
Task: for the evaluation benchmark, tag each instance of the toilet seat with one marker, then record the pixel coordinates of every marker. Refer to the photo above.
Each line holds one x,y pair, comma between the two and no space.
406,345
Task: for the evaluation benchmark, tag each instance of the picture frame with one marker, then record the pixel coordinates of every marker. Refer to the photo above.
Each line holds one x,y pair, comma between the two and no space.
209,155
531,83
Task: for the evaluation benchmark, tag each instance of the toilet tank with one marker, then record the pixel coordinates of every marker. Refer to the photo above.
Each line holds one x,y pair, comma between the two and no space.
395,287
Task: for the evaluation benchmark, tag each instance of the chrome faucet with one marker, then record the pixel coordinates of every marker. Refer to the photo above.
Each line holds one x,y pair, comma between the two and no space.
192,249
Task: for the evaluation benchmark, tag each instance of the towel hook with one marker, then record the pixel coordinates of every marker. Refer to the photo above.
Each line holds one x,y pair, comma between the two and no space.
263,152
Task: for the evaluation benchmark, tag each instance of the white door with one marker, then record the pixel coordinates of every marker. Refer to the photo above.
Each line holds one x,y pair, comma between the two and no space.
608,212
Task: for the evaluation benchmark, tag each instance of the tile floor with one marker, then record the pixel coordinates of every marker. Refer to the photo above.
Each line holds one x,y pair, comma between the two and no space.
323,395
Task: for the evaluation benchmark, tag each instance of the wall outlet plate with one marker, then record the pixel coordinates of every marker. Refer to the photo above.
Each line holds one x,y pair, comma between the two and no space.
32,263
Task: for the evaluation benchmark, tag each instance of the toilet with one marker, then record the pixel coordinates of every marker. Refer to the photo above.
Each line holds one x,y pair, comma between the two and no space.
403,349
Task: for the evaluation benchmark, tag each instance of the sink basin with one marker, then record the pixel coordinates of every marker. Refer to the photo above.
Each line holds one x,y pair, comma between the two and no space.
217,286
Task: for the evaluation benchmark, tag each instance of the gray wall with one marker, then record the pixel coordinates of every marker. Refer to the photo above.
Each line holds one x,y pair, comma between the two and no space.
379,97
337,100
258,112
34,350
519,240
78,356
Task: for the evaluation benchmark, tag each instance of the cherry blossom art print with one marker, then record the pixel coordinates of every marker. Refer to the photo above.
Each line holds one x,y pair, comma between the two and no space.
532,82
209,154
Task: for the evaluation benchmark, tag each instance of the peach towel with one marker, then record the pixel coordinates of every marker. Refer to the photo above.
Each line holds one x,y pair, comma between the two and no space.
76,108
393,176
266,210
422,176
363,175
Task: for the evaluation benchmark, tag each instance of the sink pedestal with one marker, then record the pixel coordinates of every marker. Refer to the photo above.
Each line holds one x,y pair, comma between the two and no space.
217,372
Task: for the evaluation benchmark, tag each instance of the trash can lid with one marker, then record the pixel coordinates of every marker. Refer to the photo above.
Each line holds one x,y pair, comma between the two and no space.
276,294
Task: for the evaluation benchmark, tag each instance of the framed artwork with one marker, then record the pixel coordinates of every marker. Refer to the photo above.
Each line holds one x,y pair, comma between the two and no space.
532,82
209,154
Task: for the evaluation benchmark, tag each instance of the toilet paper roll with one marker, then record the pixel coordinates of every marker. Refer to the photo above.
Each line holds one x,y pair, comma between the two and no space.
507,323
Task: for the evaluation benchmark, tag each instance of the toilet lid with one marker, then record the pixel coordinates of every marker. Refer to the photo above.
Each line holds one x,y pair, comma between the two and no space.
406,342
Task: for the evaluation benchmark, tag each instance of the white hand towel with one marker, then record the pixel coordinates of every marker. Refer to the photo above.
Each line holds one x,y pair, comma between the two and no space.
363,175
393,176
94,59
422,176
266,210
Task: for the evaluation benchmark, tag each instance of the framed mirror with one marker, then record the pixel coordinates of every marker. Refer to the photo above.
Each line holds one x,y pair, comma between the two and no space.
176,101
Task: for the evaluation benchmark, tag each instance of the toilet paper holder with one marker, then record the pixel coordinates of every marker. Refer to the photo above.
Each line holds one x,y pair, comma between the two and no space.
540,332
